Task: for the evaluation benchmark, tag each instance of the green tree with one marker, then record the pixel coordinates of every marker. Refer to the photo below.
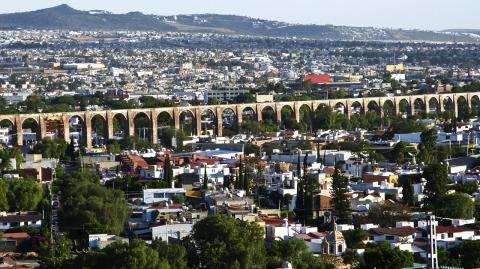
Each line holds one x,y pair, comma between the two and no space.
445,258
90,208
51,148
295,251
174,254
205,179
408,192
466,187
4,190
456,206
168,171
245,98
354,238
468,252
351,256
387,214
400,152
339,191
234,244
382,256
57,254
428,146
250,148
30,191
119,255
436,175
213,101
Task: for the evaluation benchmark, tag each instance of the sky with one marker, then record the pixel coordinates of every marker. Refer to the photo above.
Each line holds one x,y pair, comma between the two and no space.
406,14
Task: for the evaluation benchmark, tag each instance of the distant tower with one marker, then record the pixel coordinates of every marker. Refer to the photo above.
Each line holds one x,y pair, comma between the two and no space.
432,238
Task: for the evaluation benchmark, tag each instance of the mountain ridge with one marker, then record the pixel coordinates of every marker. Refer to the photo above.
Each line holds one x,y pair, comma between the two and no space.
64,17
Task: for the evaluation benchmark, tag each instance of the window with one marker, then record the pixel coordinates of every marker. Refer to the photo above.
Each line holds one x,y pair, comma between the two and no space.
158,195
332,249
389,237
340,248
371,237
450,235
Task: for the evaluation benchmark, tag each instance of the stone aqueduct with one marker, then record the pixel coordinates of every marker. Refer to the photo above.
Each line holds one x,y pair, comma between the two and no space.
361,104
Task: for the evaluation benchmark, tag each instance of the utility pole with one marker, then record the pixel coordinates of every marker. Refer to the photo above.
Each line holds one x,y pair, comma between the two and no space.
432,240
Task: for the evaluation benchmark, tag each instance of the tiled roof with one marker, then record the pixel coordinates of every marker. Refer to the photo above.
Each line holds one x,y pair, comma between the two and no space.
402,231
15,235
451,229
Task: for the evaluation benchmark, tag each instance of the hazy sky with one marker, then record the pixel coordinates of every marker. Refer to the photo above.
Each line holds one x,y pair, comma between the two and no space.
409,14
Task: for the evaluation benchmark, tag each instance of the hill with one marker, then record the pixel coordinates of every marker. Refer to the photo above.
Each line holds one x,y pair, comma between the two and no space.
64,17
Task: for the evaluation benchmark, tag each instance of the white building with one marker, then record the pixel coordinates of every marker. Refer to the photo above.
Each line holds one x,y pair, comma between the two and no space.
151,196
100,241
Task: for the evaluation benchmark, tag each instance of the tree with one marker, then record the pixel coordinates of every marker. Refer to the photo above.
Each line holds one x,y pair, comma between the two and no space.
4,190
205,179
238,181
234,244
90,208
387,214
436,175
382,256
213,101
339,195
408,192
468,252
456,206
57,254
245,98
178,199
246,180
30,191
354,238
445,258
293,250
250,148
428,146
51,148
71,152
352,257
466,187
174,254
168,171
120,255
400,152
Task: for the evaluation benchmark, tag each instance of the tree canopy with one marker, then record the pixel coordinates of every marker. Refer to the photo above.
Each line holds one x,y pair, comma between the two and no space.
220,241
436,175
339,194
295,251
382,256
90,208
457,206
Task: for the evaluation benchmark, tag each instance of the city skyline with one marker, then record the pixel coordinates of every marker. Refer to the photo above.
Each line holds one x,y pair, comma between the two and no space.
427,14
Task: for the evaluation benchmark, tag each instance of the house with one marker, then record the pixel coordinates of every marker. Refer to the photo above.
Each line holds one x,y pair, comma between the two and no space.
404,234
11,220
449,236
172,230
318,78
100,241
151,196
8,262
10,242
378,176
38,167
